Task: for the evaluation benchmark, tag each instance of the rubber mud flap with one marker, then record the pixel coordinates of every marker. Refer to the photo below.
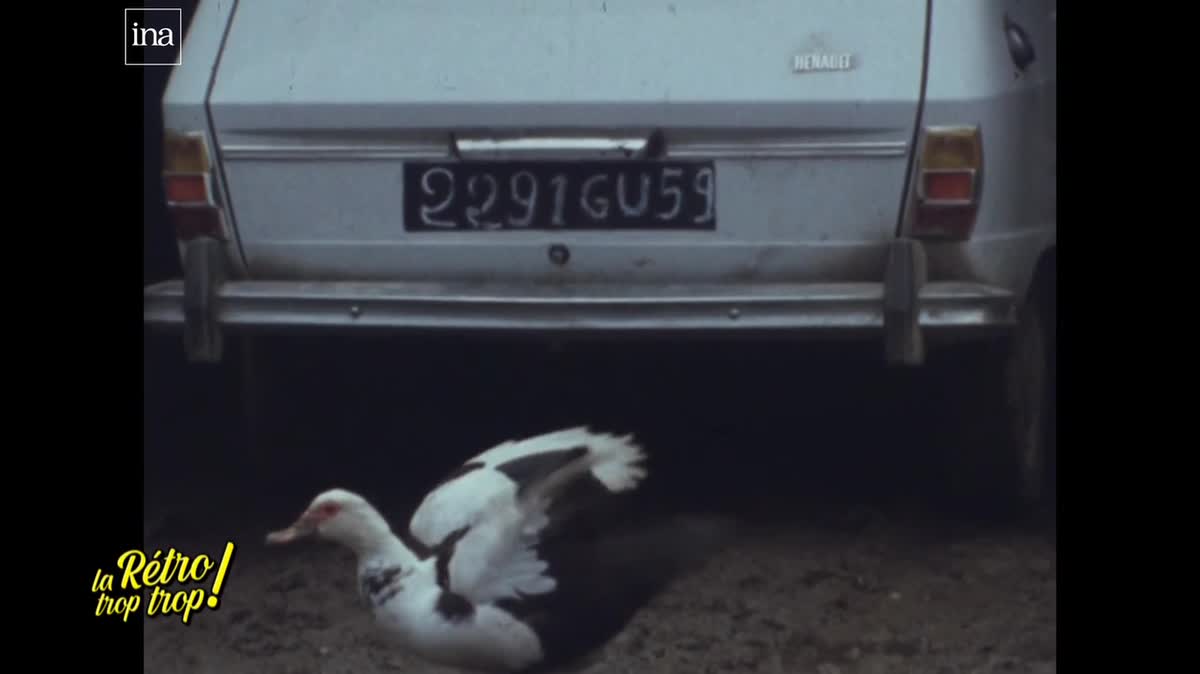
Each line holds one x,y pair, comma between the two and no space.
203,272
902,281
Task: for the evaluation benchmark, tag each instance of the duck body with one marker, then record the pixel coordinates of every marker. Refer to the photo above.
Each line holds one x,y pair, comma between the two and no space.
529,557
416,613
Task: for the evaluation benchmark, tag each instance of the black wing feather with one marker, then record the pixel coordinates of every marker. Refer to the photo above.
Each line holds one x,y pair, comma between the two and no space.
527,471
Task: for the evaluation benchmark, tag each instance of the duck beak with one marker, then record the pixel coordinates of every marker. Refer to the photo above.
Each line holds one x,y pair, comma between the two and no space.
300,529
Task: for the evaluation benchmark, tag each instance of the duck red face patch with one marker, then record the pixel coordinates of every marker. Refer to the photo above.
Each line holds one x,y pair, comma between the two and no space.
327,510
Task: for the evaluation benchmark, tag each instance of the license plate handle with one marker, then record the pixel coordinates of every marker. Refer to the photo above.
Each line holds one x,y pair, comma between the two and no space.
468,147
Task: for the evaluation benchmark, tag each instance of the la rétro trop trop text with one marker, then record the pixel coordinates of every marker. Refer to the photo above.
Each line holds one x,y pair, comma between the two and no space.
157,572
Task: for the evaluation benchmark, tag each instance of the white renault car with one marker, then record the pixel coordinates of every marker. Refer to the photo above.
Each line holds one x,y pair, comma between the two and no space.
829,168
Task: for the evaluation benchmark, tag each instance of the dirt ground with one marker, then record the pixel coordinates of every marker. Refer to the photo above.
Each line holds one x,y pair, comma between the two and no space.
853,597
852,586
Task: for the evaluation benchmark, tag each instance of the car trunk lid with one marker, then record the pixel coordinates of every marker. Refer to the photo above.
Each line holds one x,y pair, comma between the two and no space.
555,140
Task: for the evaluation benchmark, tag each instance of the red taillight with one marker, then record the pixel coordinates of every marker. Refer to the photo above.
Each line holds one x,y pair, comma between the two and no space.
187,189
947,185
187,181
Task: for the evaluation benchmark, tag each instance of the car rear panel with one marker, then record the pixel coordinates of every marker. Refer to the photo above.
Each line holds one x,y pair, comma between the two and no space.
328,116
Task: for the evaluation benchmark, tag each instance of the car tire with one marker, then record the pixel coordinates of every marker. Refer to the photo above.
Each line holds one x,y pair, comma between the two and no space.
1002,454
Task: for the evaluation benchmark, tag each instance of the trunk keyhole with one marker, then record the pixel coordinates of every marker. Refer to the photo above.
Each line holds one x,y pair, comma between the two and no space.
559,254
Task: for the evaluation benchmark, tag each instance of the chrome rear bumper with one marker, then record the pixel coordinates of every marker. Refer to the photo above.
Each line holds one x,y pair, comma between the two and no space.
900,307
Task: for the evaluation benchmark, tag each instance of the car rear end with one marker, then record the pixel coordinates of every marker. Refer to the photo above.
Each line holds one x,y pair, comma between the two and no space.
580,167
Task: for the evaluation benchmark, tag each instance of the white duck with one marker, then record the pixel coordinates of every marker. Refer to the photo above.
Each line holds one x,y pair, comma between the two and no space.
500,569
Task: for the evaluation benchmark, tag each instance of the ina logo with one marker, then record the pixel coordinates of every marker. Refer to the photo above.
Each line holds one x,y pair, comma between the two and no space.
153,36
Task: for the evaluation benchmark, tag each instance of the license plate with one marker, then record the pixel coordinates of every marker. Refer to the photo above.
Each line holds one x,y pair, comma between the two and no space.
513,196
